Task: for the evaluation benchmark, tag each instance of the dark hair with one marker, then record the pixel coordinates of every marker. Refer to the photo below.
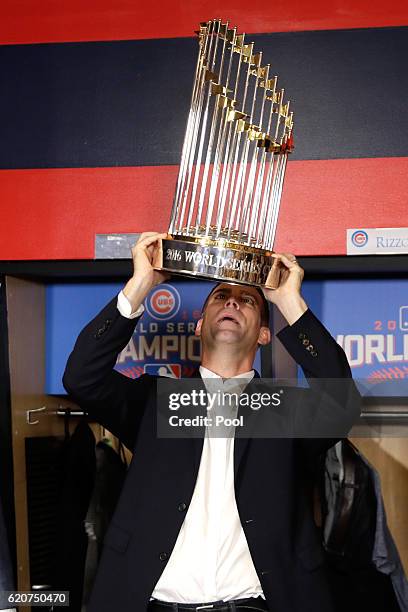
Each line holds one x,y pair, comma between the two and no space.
265,303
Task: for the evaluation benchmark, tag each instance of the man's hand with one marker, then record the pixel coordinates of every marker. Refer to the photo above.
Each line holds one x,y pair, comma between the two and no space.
144,276
287,296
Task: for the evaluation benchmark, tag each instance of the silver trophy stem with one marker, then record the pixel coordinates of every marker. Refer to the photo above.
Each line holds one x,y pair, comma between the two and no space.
267,201
235,184
224,183
275,177
260,238
228,155
207,163
280,170
236,147
229,123
201,148
210,203
220,146
195,127
188,140
193,109
263,178
284,159
193,168
272,211
253,197
244,168
278,198
256,215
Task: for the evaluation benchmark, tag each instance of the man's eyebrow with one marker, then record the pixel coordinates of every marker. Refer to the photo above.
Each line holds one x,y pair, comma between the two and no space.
228,290
225,290
253,297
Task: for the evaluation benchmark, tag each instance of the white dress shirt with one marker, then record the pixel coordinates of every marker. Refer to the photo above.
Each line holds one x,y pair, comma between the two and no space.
125,307
210,560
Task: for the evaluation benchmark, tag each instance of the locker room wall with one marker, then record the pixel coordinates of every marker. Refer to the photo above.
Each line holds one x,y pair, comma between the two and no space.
96,103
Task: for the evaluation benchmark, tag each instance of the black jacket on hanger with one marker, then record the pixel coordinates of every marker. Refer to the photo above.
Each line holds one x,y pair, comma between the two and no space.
352,510
109,479
77,482
6,573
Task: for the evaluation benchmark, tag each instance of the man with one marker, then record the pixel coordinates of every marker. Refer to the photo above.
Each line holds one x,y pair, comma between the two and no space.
206,522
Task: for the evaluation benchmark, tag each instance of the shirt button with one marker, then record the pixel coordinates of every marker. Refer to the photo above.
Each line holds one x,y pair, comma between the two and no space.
305,342
182,507
314,353
163,556
301,336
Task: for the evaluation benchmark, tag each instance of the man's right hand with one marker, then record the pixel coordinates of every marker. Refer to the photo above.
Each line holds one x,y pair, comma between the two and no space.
144,276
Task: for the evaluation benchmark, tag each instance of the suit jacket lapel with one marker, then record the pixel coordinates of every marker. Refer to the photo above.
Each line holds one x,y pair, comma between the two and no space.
241,444
198,440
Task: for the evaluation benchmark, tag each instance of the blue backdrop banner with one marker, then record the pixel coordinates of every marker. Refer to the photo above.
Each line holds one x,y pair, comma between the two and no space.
163,343
369,319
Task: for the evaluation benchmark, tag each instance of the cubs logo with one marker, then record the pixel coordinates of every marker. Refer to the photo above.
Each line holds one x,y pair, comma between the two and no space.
163,303
359,238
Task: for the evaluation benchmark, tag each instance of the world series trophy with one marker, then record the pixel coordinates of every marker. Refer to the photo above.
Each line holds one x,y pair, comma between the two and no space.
236,145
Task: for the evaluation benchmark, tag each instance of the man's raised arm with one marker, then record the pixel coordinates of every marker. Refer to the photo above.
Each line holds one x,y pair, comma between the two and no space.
335,405
112,399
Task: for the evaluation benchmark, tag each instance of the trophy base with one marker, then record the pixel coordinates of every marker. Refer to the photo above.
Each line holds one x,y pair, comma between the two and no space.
218,260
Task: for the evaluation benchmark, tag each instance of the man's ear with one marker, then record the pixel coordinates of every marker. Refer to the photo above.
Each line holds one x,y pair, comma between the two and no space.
197,331
264,335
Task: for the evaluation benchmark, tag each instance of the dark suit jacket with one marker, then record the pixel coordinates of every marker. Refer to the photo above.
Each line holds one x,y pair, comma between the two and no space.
271,486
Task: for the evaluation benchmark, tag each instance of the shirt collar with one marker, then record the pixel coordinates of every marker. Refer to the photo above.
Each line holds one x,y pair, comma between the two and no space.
206,373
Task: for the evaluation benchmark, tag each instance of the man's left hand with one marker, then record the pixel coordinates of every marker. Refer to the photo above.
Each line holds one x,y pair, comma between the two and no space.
287,296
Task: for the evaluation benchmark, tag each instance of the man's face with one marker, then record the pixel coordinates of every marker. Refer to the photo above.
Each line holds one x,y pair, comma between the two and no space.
233,315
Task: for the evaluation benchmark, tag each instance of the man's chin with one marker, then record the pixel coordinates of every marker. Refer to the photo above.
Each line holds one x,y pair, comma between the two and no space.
229,335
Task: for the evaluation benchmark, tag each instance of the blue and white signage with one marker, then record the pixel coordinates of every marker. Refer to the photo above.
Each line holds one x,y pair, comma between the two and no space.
369,319
163,344
377,241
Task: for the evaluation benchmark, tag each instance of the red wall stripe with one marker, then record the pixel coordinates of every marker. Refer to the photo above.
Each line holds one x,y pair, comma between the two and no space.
54,214
30,21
